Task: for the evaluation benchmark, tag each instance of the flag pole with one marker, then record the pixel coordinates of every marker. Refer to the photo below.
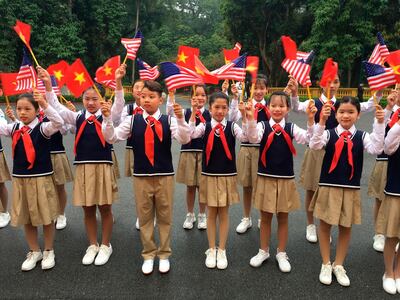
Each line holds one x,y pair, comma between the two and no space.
397,86
328,91
33,56
309,93
253,85
194,90
243,89
7,101
97,90
171,96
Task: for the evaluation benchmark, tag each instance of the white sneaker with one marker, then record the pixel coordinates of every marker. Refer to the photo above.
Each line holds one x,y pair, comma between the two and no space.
48,260
104,255
222,261
137,224
283,262
90,254
202,221
61,222
257,261
340,274
147,267
325,276
189,221
4,219
164,266
311,233
211,258
379,242
31,260
389,285
245,224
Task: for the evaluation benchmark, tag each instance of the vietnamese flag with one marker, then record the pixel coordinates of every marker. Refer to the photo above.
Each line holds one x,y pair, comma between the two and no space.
252,63
289,46
77,78
329,73
230,54
9,84
24,32
107,71
59,71
393,59
204,72
186,56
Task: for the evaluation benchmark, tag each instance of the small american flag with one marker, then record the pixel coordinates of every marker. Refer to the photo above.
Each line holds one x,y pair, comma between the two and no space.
42,89
132,45
298,69
26,78
108,83
146,72
302,55
378,76
380,52
238,46
176,76
235,70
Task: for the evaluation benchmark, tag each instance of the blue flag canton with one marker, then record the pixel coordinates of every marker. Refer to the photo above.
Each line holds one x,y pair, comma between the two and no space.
168,69
240,62
373,69
380,39
141,65
139,35
53,81
26,61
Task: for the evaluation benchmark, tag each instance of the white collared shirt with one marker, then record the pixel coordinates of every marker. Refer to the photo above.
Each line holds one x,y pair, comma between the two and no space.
234,114
392,140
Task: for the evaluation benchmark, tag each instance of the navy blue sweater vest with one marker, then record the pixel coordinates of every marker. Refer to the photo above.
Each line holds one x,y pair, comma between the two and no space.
262,116
331,122
383,156
195,144
393,176
130,110
56,141
1,146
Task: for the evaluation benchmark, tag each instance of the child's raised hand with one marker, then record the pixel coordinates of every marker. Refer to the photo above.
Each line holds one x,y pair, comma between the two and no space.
379,114
234,91
242,109
106,108
225,86
40,99
311,109
70,106
10,113
120,72
249,111
325,112
43,74
178,111
392,99
195,104
292,86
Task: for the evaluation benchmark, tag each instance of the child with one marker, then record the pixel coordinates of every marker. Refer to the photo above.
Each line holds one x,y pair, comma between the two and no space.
94,182
218,177
35,201
275,189
153,172
189,166
390,209
311,166
337,200
248,153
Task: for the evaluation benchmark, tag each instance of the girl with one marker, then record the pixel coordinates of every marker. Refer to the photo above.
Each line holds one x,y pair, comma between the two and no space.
337,200
218,177
312,162
390,209
248,153
275,189
189,166
35,201
94,183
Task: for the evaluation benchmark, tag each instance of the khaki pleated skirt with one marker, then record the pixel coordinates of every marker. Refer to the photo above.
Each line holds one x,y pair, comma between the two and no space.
311,169
247,165
62,169
34,201
94,184
388,221
128,163
115,165
218,191
377,180
4,171
337,206
189,168
275,195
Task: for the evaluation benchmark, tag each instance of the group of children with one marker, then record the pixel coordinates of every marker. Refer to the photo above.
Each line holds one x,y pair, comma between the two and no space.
331,170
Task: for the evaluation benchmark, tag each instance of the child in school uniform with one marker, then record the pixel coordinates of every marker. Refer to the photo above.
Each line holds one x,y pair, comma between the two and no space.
275,189
218,186
189,166
390,209
153,172
337,200
35,201
312,161
249,153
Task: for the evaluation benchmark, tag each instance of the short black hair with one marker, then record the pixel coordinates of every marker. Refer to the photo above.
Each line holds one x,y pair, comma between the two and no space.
30,98
201,86
153,86
218,95
280,94
348,99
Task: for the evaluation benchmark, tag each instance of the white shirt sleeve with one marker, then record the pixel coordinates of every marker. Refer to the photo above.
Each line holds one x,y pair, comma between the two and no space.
255,131
302,136
180,130
55,121
369,105
197,131
298,106
319,137
67,115
117,107
234,114
392,140
2,117
5,129
169,107
240,134
116,134
374,142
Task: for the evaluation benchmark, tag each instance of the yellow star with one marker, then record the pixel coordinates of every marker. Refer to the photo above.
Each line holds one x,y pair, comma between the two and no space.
58,75
199,71
396,70
182,57
79,77
251,68
107,70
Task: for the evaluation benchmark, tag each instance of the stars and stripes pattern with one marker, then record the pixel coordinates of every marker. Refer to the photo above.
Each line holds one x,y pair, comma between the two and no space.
176,76
42,89
380,52
235,70
146,72
298,69
237,46
26,78
303,55
378,76
108,83
132,45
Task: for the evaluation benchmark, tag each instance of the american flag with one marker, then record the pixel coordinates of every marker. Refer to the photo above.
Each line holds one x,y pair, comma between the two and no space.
146,72
298,69
302,55
235,70
380,52
378,76
42,89
108,83
132,45
238,46
26,77
176,76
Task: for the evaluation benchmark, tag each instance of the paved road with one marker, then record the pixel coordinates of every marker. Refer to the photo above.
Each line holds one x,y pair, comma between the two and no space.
189,278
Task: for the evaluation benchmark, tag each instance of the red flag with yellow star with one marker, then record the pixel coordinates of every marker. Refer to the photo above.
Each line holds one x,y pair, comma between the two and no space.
393,59
200,69
24,32
106,74
252,67
78,78
230,54
186,55
59,70
9,84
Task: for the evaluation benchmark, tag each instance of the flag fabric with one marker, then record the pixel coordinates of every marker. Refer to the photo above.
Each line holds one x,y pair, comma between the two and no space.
393,59
24,32
378,76
237,46
9,83
26,78
42,88
230,55
106,74
176,76
201,70
132,45
329,73
289,47
380,52
78,78
146,72
298,69
59,70
186,55
236,70
252,63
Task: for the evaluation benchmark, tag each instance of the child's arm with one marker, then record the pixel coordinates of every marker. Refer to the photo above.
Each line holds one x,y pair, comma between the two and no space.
234,113
254,131
111,134
320,137
119,102
391,104
170,103
67,115
302,136
180,130
392,140
55,121
5,129
374,142
10,114
370,104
